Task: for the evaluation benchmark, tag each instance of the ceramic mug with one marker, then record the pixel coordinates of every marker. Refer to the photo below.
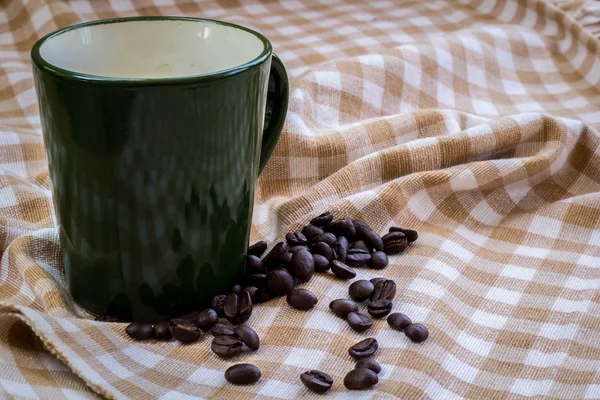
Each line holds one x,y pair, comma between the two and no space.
156,129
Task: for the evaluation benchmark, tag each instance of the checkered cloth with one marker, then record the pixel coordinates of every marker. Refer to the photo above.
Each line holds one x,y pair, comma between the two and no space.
474,122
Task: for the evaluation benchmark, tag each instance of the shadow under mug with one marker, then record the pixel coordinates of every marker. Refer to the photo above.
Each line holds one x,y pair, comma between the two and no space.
156,129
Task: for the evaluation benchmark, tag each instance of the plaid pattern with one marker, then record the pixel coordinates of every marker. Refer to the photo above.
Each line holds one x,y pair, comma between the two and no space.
474,122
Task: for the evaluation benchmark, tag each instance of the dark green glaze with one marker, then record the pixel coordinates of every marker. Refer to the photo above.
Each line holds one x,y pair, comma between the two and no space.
153,179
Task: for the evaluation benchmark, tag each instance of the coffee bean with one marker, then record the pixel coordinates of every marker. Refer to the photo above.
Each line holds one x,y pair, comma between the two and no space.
341,248
379,308
226,346
236,289
192,316
254,265
411,235
322,219
360,244
237,308
258,280
323,249
280,282
416,332
258,248
162,330
379,260
321,263
326,237
361,228
361,378
342,227
107,318
286,258
301,299
272,257
222,330
359,321
310,231
385,290
302,265
248,336
217,304
368,363
296,249
262,295
139,330
252,290
394,242
360,290
374,240
398,321
316,381
375,280
242,374
184,331
358,257
342,271
206,319
296,239
363,349
342,307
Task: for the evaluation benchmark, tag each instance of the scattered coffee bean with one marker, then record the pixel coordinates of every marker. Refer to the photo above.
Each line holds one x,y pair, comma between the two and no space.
248,337
139,330
379,260
258,248
341,248
107,318
416,332
236,289
379,308
226,346
263,295
368,363
360,290
358,257
395,242
254,265
384,290
162,330
322,219
286,258
280,282
398,321
206,319
242,374
296,249
316,381
375,280
411,235
184,331
258,280
217,304
343,307
191,316
310,231
302,265
296,239
321,263
359,321
374,240
360,244
301,299
323,249
363,349
222,330
272,257
342,271
326,237
361,378
237,308
361,228
342,227
252,290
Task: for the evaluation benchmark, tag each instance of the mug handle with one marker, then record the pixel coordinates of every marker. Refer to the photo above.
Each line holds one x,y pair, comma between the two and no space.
277,99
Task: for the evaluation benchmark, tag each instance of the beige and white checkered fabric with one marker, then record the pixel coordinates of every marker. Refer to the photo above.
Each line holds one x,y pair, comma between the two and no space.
474,122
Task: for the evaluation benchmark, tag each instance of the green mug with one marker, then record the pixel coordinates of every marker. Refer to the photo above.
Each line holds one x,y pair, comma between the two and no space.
156,129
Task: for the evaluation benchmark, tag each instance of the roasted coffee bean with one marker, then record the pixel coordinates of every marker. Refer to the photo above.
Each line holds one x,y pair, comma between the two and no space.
379,308
342,227
343,307
237,308
379,260
342,271
368,363
411,235
252,290
360,244
184,331
358,257
326,237
321,263
416,332
394,242
254,265
375,280
302,265
361,378
360,290
162,330
341,248
322,219
384,290
310,230
258,248
139,330
359,321
296,249
242,374
191,316
316,381
226,346
206,319
248,336
107,318
286,258
363,349
296,239
361,228
236,289
398,321
301,299
272,257
280,282
262,295
217,304
374,240
222,330
258,280
323,249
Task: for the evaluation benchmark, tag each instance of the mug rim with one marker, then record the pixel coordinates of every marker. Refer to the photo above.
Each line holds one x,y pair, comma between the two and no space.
63,73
